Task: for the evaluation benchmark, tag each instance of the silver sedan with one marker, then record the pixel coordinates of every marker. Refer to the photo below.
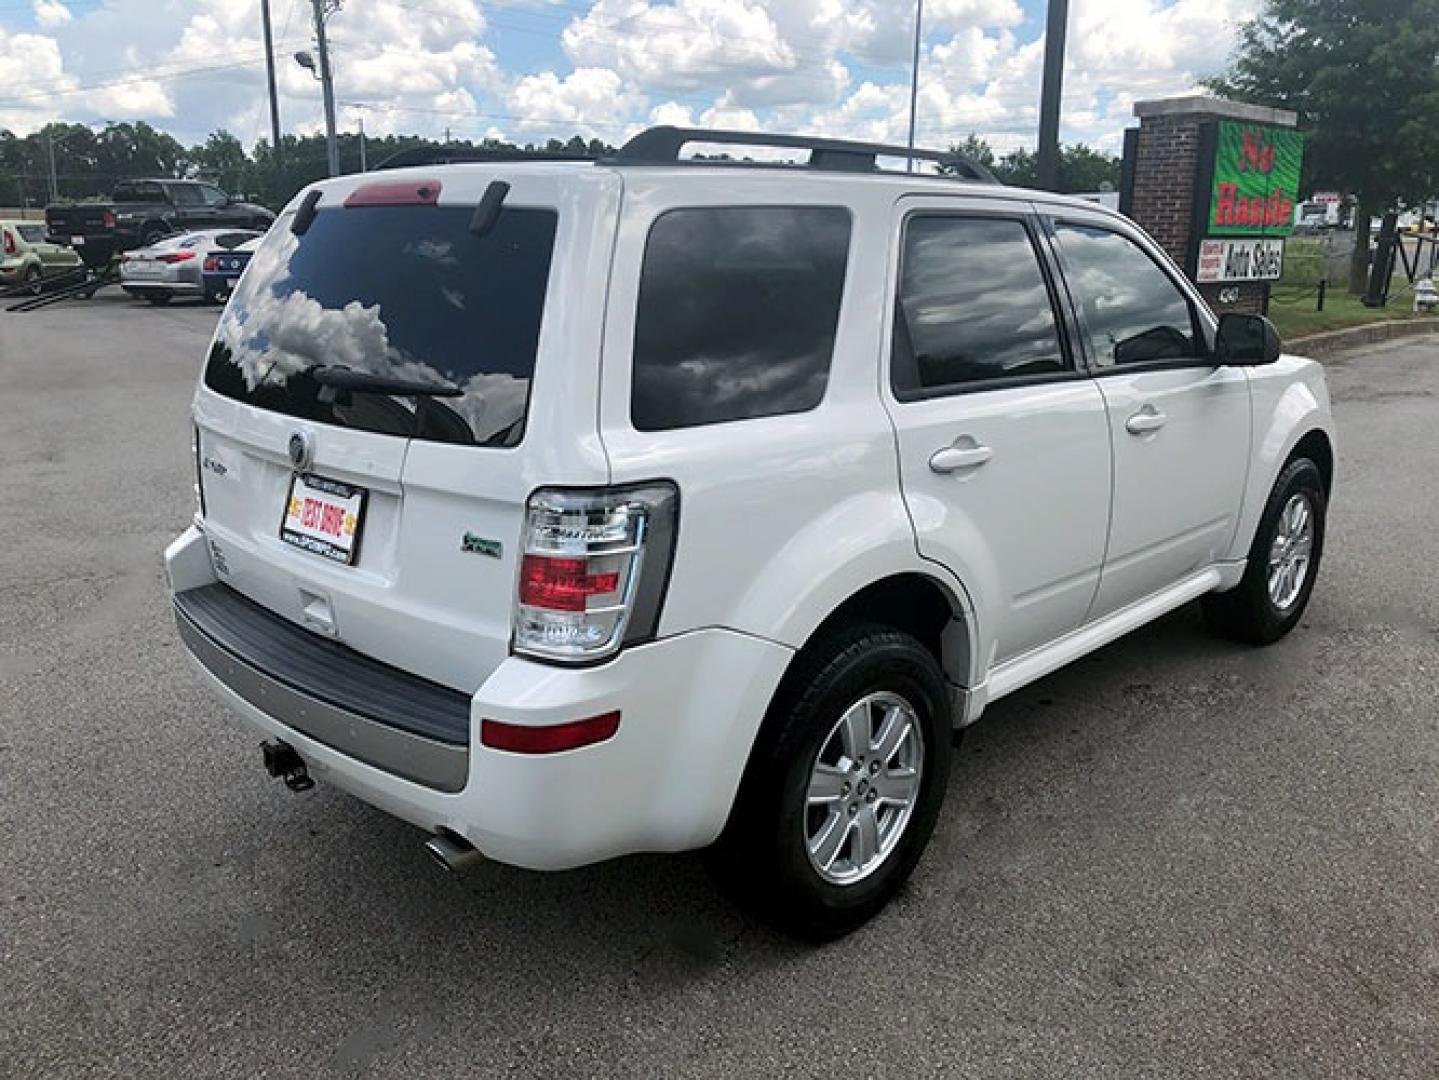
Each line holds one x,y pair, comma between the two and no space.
174,266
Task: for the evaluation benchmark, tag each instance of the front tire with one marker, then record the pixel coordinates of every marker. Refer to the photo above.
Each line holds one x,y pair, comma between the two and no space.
844,786
159,299
1283,561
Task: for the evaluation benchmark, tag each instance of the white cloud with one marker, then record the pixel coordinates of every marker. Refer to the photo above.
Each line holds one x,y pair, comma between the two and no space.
51,13
591,101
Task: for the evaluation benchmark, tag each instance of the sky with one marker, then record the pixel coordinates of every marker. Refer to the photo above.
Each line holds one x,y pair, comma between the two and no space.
526,70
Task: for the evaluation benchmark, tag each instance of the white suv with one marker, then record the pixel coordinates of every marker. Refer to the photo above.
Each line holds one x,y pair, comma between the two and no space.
572,509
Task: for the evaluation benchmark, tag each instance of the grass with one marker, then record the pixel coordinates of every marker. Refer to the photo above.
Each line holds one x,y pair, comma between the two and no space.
1291,307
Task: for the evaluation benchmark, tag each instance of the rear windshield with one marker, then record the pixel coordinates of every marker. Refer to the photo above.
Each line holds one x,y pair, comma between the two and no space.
399,292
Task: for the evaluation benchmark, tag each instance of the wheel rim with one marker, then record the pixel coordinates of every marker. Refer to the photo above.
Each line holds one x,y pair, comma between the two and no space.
1291,551
863,787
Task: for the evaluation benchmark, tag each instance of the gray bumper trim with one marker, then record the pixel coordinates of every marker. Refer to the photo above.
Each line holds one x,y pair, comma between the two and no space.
435,764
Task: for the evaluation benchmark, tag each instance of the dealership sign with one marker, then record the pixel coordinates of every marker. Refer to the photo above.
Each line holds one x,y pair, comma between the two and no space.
1259,259
1256,180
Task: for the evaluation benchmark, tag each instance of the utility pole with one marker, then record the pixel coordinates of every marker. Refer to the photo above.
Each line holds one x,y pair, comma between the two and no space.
54,180
323,8
270,74
364,165
914,78
1047,165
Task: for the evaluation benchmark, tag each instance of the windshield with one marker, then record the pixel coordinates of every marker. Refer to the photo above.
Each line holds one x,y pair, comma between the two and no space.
402,292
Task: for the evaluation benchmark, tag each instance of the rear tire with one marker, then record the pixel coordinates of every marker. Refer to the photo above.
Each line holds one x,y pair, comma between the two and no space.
844,784
1283,561
34,281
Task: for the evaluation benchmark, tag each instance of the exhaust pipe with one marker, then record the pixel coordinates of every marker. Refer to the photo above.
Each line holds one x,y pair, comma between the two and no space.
453,852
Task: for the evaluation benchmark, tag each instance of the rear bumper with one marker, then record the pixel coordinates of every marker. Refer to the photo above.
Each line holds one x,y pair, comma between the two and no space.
690,708
142,286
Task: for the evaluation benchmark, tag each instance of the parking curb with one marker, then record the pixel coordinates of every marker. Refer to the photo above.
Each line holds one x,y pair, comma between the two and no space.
1318,346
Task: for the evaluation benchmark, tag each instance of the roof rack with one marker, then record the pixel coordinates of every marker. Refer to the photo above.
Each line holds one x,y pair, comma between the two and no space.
662,146
454,155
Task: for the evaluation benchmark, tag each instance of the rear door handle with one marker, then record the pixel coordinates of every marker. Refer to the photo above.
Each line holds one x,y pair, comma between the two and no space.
953,458
1145,420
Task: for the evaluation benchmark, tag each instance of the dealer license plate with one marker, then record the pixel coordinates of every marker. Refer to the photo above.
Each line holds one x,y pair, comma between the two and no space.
324,517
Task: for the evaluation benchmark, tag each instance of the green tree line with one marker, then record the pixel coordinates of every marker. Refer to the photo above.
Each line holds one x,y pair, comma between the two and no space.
88,161
1081,168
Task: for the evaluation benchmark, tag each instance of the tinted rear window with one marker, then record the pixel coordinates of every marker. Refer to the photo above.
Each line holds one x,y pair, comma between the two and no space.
402,292
737,313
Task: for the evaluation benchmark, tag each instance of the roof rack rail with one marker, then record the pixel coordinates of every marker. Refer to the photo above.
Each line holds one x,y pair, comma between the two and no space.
662,146
456,155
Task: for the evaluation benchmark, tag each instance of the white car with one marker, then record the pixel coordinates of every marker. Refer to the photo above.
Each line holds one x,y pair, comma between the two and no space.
175,266
568,510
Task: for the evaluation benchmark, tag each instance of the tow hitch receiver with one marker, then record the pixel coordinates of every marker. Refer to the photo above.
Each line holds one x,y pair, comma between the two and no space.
281,760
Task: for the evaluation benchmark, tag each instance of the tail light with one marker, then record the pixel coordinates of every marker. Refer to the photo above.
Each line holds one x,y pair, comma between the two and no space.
176,256
9,241
212,264
108,219
594,569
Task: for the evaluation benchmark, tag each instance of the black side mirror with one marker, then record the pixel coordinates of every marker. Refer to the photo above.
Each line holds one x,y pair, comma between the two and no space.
1246,339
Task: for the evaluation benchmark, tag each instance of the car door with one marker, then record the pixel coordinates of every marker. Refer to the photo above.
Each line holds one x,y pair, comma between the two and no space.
1179,421
218,204
1003,439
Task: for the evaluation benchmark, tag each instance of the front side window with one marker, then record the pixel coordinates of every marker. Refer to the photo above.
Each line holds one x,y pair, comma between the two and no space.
973,306
738,309
212,196
402,293
1132,312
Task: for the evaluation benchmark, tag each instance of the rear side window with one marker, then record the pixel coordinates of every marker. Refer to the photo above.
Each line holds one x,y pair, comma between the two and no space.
737,313
31,234
402,292
1132,312
973,306
142,191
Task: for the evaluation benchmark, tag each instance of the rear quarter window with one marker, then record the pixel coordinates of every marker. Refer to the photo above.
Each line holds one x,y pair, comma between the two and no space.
737,313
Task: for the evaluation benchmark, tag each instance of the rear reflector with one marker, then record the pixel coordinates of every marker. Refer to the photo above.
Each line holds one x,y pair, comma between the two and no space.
551,738
396,193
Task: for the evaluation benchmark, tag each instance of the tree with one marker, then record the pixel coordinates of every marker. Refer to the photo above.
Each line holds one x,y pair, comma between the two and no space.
1080,168
1362,76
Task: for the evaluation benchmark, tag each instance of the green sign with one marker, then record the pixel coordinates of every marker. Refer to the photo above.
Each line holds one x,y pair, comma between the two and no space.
1256,180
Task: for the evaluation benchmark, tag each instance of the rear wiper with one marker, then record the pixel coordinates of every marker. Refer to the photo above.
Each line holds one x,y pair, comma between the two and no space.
343,378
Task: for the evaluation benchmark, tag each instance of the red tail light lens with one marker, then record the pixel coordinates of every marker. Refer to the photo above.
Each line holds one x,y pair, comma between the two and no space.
551,738
9,242
176,256
212,264
562,584
108,219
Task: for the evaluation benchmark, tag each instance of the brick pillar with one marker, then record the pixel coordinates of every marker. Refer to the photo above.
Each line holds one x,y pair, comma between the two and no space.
1164,161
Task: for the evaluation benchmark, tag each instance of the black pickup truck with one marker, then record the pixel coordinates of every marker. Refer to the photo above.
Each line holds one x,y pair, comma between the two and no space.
142,211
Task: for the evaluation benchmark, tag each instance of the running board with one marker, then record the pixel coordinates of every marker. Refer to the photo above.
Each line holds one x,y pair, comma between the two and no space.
1022,670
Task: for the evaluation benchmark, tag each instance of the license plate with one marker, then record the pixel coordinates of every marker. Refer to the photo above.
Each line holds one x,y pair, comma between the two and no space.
77,241
324,517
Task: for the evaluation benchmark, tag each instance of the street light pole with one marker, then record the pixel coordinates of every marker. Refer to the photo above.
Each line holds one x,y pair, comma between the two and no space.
1047,165
364,165
270,74
54,180
914,78
327,82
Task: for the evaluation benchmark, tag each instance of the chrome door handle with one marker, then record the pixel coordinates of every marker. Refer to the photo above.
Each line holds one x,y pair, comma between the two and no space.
953,458
1144,421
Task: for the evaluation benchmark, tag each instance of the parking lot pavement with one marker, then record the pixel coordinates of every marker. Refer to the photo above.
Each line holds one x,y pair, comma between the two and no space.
1176,858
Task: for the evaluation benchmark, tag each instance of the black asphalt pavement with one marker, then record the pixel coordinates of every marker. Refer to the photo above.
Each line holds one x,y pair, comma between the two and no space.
1177,858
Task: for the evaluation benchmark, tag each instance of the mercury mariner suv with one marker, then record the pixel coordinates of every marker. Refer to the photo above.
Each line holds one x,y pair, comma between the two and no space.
571,509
